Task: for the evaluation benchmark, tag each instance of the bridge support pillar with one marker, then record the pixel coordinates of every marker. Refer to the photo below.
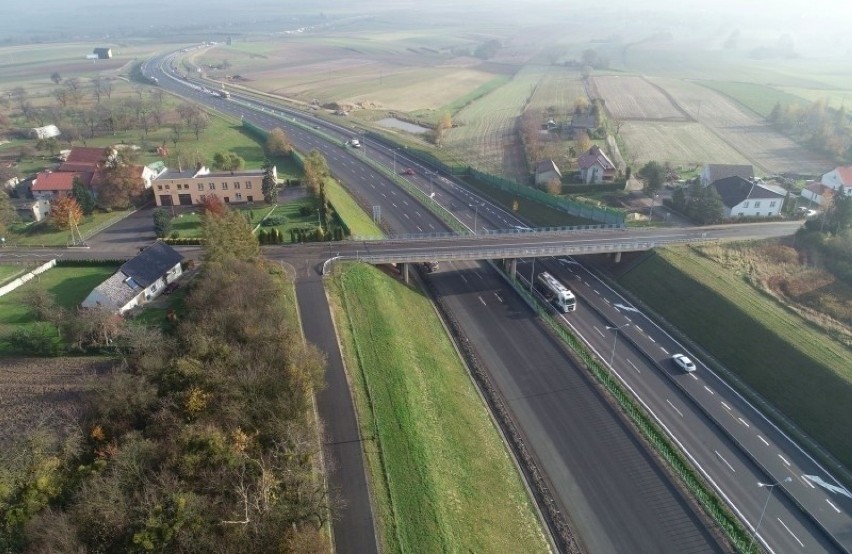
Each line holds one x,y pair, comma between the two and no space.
617,257
513,267
405,272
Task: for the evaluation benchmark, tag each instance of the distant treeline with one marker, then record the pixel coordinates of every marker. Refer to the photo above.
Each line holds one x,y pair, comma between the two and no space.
819,126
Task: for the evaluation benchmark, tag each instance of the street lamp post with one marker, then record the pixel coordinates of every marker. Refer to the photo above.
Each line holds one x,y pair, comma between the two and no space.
394,161
475,215
653,201
614,340
769,486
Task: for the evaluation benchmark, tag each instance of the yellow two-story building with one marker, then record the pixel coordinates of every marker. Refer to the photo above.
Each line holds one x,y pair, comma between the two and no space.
188,188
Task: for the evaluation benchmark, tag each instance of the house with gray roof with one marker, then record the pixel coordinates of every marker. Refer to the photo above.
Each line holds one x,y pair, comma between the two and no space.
711,173
547,171
138,281
744,198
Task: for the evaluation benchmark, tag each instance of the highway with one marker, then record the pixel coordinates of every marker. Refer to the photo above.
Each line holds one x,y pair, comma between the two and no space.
733,444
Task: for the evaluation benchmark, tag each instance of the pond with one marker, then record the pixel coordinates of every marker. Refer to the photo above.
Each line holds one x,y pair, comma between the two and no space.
395,123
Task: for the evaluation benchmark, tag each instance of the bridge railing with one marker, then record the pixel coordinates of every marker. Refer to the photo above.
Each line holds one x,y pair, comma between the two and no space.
490,233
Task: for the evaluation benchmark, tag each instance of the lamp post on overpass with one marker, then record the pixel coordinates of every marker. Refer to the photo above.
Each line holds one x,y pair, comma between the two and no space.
475,215
769,486
615,340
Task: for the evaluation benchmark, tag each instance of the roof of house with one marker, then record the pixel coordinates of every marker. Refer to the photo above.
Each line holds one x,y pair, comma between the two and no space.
545,166
151,264
76,166
716,172
841,175
88,155
734,190
595,156
48,131
50,180
118,290
817,188
194,174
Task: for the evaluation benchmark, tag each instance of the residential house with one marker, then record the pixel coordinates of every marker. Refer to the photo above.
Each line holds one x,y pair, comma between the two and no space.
744,198
138,280
839,179
596,167
54,184
103,53
546,171
34,210
188,188
817,192
711,173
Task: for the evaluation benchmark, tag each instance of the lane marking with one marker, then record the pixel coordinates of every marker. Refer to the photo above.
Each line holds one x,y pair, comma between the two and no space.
784,460
791,533
481,300
694,378
664,350
726,406
498,297
463,278
598,330
836,509
811,485
596,292
650,338
634,367
640,329
763,440
673,407
709,390
726,461
744,422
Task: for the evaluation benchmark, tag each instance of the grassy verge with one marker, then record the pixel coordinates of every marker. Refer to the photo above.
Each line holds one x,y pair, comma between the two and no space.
69,285
798,369
359,223
442,478
44,234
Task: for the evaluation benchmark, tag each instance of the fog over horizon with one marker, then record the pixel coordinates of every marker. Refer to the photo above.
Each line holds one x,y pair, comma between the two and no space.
819,30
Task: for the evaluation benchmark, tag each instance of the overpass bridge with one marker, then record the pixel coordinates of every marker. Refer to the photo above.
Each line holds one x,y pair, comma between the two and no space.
531,243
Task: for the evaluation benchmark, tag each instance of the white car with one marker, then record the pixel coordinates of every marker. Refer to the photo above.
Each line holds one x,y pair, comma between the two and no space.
683,362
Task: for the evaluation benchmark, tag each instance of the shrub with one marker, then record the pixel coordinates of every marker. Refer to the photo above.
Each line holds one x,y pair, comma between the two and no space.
305,211
274,221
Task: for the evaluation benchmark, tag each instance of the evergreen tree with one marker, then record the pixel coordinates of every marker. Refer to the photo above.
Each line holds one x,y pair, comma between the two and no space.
270,185
83,196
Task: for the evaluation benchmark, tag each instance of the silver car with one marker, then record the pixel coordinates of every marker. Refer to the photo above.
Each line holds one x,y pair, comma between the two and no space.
683,362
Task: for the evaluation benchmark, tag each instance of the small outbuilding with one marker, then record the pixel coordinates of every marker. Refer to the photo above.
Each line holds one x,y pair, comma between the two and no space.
102,53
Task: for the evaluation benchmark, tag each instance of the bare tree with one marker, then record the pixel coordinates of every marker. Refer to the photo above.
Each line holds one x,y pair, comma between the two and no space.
74,90
20,95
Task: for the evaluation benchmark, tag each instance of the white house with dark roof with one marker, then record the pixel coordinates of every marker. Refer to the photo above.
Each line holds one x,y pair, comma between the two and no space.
711,173
596,167
744,198
138,281
817,192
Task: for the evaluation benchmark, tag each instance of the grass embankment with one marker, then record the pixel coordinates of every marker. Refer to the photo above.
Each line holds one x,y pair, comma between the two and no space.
442,478
777,353
359,223
9,272
44,233
69,286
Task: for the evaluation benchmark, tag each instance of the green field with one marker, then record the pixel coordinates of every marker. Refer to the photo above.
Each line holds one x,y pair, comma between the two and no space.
797,368
69,285
757,98
441,477
44,234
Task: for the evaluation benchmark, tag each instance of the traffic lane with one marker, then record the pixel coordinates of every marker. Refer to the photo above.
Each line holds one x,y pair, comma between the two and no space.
779,456
739,434
616,494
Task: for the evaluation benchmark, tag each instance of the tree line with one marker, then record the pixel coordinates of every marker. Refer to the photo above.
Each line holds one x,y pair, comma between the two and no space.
201,439
823,128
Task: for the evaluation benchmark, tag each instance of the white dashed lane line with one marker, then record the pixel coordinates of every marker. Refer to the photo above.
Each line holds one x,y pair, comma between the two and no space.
633,366
836,509
763,440
726,461
708,389
791,533
481,300
673,408
783,459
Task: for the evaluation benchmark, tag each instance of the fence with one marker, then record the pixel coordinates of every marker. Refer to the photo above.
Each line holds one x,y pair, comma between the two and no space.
5,289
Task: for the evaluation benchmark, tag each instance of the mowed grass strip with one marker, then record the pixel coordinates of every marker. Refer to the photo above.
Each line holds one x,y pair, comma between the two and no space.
443,480
359,223
804,373
69,285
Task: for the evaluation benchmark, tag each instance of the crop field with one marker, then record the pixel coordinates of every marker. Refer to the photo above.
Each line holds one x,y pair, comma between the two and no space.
42,391
485,134
631,98
757,98
796,367
686,143
442,479
768,150
557,91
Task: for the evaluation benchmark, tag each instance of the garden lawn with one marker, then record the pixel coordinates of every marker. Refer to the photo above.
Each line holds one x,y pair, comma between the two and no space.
44,234
69,285
800,370
442,478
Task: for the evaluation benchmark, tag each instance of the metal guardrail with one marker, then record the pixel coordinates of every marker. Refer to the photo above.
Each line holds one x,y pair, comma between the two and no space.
537,231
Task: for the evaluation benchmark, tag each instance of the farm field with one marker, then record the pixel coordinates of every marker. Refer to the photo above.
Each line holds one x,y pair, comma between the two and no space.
485,134
768,150
630,97
797,368
441,476
41,391
556,92
760,99
685,143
